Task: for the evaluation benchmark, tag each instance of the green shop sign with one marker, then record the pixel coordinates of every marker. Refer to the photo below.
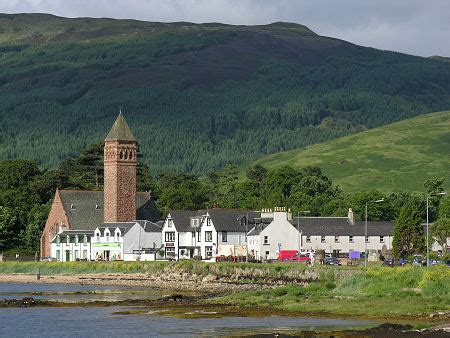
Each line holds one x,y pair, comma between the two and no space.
106,245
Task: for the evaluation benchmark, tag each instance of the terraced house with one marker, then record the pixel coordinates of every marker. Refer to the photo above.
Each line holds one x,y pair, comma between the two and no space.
201,233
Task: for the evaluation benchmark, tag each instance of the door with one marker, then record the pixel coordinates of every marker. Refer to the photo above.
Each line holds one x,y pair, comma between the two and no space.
67,256
106,255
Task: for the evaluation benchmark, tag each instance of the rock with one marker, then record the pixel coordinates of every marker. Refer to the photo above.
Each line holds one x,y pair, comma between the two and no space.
209,278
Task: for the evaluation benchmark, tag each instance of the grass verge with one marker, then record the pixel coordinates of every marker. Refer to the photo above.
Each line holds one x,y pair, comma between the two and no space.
376,291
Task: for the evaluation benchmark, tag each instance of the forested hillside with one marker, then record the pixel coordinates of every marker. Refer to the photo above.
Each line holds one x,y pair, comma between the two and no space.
197,96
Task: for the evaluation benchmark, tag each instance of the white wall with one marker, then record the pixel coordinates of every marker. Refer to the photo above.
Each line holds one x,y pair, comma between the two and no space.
344,245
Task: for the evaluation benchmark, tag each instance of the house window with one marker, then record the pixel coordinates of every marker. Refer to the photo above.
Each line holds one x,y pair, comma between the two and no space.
322,239
224,236
381,239
117,236
336,239
267,254
76,239
98,236
199,237
208,221
208,250
107,236
266,239
77,254
84,239
194,222
58,240
308,239
169,223
350,239
84,254
367,239
170,237
58,255
208,236
170,252
68,239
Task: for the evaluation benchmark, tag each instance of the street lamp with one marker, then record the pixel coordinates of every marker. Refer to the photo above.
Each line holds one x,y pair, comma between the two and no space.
428,195
365,232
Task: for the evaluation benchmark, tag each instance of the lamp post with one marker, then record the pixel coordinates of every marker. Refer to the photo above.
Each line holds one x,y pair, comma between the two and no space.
428,196
365,230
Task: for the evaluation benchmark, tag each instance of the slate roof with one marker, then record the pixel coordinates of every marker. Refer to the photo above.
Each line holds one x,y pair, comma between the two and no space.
337,226
228,219
73,233
182,219
84,208
120,131
123,226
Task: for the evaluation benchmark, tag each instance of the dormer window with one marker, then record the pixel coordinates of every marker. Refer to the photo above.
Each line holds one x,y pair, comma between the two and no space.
169,222
107,235
58,240
68,239
84,239
72,207
194,222
117,235
76,239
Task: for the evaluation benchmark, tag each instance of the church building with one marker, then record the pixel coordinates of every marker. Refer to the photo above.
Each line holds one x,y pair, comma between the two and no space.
83,210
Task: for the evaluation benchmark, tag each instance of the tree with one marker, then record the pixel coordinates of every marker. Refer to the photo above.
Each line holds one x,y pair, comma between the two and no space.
440,231
8,221
408,232
37,217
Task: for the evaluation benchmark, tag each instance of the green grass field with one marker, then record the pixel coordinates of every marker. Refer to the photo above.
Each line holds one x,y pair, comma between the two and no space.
397,157
376,291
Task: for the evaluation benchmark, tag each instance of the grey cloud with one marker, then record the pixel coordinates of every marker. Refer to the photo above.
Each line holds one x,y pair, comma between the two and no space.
410,26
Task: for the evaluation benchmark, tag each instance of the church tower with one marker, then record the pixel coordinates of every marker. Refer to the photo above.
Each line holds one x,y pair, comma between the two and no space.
120,173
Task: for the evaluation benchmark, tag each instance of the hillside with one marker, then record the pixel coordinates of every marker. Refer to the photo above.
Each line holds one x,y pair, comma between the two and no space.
197,96
397,157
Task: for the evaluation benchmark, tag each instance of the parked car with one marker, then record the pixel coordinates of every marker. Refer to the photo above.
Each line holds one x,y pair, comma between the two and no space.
332,261
47,259
394,262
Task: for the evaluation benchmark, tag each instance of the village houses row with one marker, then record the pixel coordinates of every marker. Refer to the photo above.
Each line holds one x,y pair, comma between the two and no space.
122,224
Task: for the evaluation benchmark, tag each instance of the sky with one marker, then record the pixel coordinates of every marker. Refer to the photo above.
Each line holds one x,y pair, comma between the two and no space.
418,27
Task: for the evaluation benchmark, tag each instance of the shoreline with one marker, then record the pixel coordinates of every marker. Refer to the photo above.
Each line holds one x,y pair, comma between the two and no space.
133,280
204,297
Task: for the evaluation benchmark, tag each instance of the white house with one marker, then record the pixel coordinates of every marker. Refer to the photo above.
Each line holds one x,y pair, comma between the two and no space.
71,245
107,242
336,235
188,234
276,233
142,241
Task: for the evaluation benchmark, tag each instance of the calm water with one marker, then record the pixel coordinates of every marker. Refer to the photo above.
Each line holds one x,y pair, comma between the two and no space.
76,293
104,322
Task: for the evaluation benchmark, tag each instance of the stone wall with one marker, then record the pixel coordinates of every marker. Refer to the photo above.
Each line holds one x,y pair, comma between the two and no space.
56,217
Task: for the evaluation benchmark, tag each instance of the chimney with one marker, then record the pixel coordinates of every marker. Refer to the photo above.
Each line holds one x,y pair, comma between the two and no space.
351,221
289,214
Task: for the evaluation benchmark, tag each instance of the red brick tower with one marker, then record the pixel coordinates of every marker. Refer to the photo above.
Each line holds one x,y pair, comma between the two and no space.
120,173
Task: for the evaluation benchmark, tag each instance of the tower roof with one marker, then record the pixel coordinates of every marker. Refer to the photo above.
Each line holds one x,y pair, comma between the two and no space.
120,131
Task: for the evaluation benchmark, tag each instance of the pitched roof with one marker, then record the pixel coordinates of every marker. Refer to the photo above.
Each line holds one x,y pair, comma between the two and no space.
182,219
84,208
339,226
120,131
123,227
151,226
73,233
228,219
